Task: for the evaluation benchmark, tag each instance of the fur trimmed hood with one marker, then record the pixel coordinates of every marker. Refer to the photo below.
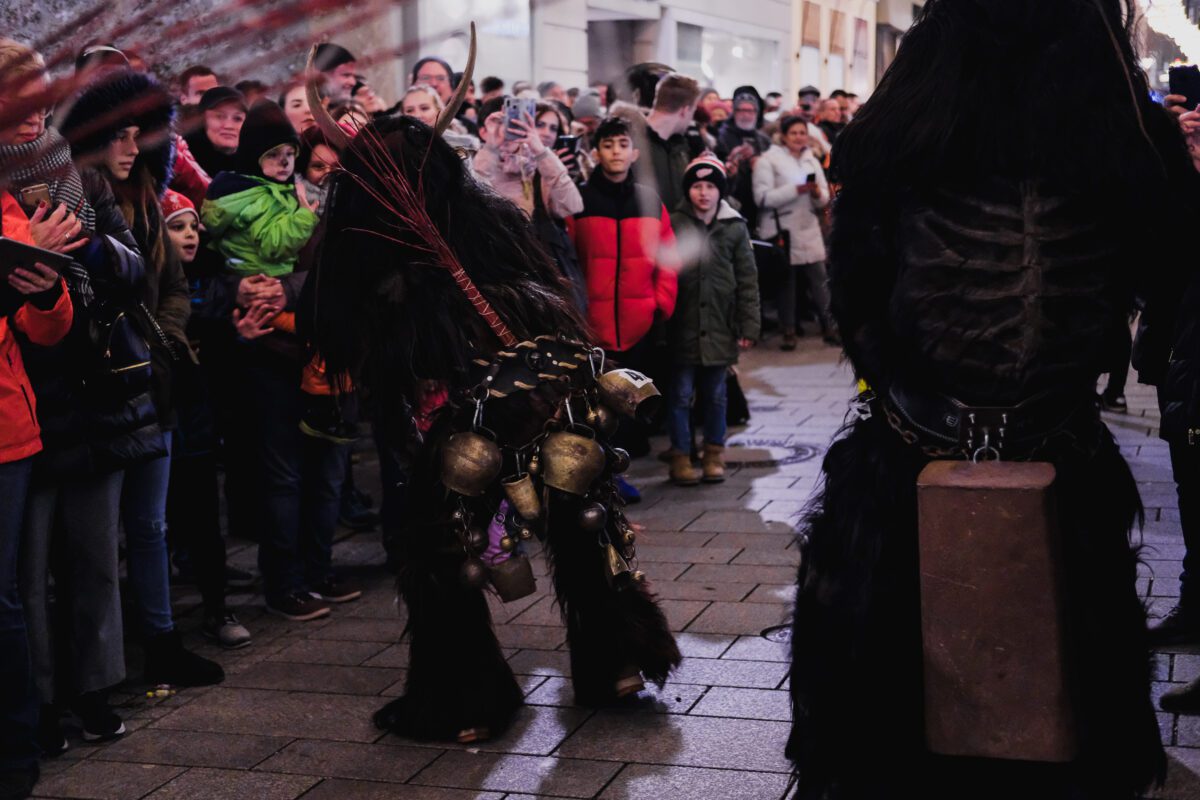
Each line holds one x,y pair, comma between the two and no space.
117,101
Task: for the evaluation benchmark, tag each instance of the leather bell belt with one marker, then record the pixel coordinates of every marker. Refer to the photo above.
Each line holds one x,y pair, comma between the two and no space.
941,421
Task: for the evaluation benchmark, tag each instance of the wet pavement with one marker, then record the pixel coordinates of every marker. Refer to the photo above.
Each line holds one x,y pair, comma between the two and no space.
293,716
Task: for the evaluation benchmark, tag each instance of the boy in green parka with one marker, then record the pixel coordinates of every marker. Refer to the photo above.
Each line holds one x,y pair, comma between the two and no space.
258,217
716,316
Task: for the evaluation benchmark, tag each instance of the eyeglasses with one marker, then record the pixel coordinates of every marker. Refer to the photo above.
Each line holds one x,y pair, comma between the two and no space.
432,79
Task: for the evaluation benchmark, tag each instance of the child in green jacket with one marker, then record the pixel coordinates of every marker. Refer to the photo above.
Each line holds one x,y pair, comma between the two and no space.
258,217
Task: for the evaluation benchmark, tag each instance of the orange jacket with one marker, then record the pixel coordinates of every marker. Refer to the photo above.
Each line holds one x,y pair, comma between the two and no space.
20,435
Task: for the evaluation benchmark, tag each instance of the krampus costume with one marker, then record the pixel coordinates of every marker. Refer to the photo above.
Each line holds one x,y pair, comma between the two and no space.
427,284
1006,190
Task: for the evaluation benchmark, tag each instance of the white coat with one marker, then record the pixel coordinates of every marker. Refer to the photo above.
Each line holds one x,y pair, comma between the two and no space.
776,176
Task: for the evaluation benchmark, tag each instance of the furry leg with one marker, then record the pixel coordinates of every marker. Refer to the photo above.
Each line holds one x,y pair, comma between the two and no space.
458,678
609,629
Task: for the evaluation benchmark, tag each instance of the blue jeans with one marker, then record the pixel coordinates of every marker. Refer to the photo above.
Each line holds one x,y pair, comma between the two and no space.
302,479
18,698
144,513
709,382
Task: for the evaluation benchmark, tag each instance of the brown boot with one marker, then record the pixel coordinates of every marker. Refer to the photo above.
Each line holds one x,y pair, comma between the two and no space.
682,471
713,462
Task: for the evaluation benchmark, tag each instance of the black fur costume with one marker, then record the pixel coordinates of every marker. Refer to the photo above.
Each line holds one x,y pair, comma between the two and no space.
388,314
1006,190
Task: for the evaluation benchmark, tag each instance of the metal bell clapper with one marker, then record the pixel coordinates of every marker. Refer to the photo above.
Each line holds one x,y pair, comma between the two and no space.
618,567
471,462
629,393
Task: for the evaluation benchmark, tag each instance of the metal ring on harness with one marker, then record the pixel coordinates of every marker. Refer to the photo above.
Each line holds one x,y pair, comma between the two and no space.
984,449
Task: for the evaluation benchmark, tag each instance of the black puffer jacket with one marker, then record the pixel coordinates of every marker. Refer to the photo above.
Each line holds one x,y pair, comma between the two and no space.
84,431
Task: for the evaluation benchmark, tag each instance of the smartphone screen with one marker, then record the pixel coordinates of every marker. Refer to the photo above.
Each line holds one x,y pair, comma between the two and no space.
32,195
516,108
570,143
1185,81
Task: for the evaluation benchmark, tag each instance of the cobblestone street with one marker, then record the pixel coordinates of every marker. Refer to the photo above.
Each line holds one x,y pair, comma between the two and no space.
293,717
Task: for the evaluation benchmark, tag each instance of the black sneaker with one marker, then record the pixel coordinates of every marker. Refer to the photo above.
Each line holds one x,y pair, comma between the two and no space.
50,735
16,783
1181,625
299,607
226,631
238,578
100,723
169,662
333,590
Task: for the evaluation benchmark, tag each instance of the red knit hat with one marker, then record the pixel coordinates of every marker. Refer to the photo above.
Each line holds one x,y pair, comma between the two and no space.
174,204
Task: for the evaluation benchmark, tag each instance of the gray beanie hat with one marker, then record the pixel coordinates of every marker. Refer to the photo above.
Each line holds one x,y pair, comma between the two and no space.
587,105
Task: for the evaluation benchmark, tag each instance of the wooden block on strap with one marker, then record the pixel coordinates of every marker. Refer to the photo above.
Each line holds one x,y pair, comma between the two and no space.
992,612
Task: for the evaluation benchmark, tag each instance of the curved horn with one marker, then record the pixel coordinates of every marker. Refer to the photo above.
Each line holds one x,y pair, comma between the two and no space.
333,132
460,92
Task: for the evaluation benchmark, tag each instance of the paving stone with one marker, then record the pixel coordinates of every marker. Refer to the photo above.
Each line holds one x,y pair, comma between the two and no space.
328,651
774,593
757,541
726,573
645,781
285,676
672,698
774,557
395,656
538,637
655,538
739,618
756,648
541,662
703,645
360,630
730,672
106,780
561,777
725,701
544,612
535,731
735,521
221,784
192,749
680,613
335,789
375,762
684,590
682,740
336,717
694,555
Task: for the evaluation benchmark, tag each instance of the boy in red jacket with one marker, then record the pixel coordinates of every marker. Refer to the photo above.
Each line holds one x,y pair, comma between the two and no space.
627,251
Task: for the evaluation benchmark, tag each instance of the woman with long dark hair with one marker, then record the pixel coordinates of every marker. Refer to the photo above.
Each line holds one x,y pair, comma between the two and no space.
124,127
1000,205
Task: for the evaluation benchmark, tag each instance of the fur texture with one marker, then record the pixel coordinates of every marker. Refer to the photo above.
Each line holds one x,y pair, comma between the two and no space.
857,665
390,318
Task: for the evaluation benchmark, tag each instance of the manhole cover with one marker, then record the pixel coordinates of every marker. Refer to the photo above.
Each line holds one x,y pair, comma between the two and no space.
777,453
778,633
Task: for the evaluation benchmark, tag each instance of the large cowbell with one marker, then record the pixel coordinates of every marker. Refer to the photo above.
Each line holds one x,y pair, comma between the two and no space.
996,683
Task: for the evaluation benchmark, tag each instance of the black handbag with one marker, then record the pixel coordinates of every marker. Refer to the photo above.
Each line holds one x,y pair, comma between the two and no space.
121,355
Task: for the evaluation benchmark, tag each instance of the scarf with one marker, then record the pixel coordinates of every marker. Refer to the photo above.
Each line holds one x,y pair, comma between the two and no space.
47,159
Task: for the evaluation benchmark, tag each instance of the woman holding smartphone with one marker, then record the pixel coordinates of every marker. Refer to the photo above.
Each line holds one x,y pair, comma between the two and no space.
790,187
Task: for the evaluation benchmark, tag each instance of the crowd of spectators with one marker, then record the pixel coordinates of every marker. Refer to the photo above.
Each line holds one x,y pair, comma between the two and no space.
157,362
